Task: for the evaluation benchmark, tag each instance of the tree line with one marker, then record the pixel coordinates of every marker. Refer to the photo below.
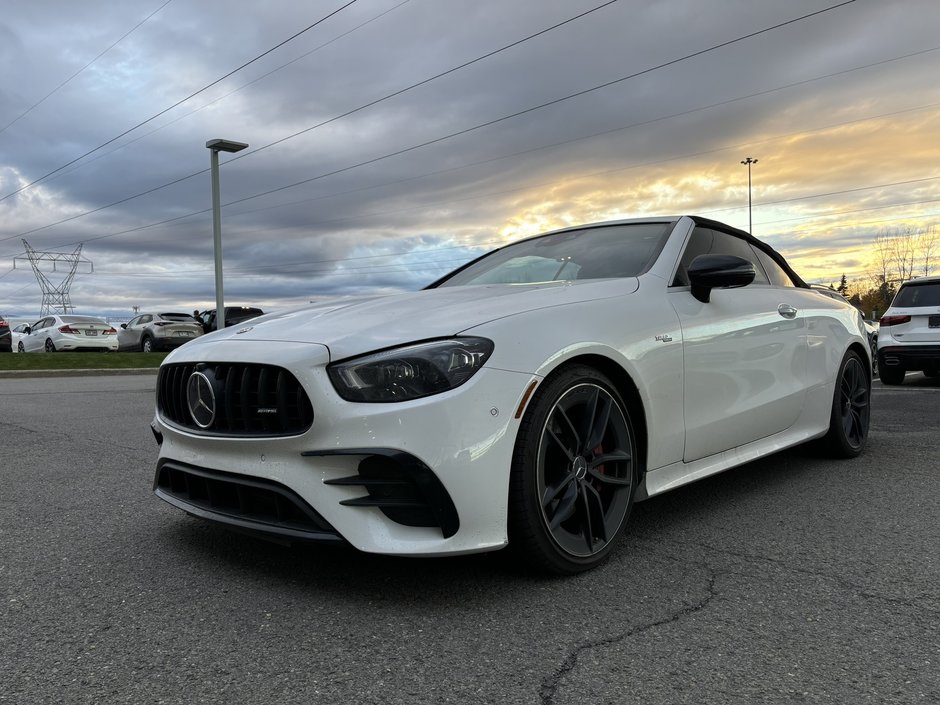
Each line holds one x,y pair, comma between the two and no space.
899,254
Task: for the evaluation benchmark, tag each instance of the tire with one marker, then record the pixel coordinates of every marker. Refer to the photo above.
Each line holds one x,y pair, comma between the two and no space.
931,374
19,347
50,346
574,473
851,409
891,375
146,345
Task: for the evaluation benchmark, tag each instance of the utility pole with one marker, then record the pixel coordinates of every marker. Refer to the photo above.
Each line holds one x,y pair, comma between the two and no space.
750,223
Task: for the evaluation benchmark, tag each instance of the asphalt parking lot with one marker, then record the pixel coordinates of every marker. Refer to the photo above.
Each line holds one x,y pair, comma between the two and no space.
790,580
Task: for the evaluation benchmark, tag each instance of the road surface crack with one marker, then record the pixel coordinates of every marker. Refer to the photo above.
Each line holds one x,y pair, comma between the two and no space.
552,683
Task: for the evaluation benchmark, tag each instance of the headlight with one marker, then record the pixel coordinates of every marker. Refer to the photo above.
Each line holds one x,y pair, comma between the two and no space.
410,372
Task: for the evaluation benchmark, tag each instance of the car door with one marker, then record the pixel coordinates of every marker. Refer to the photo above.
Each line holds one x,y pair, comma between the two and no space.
126,335
744,353
137,332
36,340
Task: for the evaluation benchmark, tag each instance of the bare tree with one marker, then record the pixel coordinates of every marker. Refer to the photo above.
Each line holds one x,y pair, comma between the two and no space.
902,255
883,248
927,244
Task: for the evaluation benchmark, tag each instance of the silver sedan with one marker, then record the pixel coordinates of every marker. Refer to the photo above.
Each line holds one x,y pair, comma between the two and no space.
148,332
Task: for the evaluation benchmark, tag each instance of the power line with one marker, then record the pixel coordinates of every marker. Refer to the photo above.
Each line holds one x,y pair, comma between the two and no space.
519,113
180,102
69,79
504,191
848,212
553,102
236,90
452,135
333,119
639,165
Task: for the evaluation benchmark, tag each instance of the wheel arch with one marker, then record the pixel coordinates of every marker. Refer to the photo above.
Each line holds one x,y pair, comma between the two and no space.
628,391
863,353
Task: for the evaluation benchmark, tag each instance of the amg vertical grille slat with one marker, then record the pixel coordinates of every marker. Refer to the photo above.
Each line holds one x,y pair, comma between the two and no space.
250,399
231,419
243,391
284,411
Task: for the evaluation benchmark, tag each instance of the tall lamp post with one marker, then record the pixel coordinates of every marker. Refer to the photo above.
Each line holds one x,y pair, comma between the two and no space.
214,147
750,224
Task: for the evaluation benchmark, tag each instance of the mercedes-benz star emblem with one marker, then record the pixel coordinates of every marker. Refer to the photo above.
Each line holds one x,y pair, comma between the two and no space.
201,399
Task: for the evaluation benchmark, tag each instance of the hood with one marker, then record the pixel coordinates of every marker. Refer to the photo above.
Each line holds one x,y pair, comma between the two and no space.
357,325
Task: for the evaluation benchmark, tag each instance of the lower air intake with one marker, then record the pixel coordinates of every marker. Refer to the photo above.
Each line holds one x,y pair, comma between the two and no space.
245,502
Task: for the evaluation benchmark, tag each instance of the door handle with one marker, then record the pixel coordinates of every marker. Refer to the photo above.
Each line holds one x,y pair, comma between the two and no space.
786,310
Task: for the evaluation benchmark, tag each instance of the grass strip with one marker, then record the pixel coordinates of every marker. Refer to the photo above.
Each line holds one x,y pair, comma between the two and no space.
79,361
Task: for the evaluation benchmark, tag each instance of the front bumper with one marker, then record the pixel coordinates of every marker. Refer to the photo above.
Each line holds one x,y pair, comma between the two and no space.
374,473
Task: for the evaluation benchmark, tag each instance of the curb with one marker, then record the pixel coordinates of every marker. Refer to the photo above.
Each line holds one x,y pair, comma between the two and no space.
110,372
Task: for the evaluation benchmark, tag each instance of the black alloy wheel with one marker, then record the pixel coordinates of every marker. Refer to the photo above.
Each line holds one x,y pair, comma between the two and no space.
851,409
50,346
19,347
574,473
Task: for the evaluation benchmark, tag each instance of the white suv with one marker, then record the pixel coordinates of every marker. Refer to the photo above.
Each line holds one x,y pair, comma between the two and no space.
909,337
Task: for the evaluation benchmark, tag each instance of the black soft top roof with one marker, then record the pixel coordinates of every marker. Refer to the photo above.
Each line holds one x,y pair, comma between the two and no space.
771,252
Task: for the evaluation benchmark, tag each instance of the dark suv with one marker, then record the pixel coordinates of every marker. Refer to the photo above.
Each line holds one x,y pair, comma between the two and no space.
233,316
909,336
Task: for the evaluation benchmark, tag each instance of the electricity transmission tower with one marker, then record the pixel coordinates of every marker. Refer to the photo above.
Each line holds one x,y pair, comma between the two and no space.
55,297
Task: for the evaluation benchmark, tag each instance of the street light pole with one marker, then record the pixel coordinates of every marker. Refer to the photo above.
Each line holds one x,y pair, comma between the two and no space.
214,147
750,224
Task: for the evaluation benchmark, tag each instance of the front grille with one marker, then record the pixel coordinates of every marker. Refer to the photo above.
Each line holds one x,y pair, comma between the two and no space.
249,503
249,399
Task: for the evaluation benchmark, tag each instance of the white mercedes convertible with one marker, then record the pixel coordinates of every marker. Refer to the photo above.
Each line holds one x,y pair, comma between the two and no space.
527,398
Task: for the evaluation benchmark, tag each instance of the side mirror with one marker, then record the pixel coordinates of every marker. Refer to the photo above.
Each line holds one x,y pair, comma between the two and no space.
707,272
124,326
27,330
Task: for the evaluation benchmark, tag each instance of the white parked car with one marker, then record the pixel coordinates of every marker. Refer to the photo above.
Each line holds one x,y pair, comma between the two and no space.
529,397
17,333
909,331
69,333
148,332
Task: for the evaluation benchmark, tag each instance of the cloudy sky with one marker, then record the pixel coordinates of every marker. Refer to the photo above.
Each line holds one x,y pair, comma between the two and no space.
392,140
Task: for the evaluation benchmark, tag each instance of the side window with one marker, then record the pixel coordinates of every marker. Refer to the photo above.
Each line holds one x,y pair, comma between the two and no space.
145,319
778,275
700,243
726,244
704,241
133,322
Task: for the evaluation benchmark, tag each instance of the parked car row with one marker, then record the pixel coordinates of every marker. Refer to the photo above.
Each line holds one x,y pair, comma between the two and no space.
146,332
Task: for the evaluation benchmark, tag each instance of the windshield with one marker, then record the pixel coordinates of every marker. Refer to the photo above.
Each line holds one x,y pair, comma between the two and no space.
81,319
590,253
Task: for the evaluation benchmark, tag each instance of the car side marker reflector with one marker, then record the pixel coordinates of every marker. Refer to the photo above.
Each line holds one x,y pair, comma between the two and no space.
525,398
